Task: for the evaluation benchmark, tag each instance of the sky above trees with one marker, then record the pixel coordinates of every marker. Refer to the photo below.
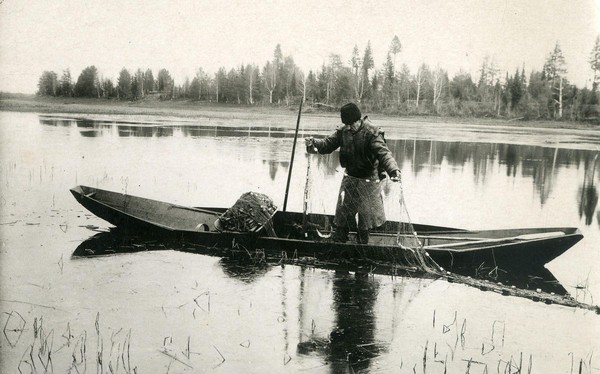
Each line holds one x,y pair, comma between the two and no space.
185,35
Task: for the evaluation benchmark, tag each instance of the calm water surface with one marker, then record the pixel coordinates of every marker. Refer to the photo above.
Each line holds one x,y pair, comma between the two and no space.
168,311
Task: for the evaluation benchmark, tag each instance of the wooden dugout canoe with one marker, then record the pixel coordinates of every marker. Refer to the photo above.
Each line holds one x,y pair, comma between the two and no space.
522,249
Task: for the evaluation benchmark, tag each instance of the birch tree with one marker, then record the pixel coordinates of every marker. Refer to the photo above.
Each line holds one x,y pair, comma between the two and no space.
403,84
420,79
437,79
555,71
250,83
270,78
139,91
302,84
219,78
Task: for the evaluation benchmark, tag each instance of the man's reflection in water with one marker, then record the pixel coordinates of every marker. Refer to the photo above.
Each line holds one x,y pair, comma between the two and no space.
352,341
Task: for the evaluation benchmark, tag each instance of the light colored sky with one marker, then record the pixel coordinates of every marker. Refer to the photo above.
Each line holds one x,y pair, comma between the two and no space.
38,35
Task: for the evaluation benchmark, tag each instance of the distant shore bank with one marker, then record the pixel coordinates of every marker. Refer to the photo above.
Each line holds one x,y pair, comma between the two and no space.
190,110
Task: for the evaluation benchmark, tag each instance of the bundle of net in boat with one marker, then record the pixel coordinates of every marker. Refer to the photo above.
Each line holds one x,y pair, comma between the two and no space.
250,213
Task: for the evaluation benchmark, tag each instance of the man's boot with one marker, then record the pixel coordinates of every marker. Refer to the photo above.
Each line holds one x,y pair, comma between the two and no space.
363,236
340,235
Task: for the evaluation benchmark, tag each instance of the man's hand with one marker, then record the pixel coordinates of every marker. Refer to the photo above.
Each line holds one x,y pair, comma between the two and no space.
396,176
310,145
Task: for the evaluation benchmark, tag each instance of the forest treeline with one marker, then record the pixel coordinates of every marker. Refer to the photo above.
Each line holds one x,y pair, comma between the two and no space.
391,89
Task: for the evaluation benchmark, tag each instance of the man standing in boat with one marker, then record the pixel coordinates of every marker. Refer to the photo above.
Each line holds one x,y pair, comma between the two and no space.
367,159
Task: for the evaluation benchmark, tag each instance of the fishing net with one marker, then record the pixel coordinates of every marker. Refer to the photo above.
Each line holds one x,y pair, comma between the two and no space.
315,222
250,213
407,237
392,236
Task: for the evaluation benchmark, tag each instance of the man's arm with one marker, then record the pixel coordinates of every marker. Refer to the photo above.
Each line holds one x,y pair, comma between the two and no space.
385,157
323,146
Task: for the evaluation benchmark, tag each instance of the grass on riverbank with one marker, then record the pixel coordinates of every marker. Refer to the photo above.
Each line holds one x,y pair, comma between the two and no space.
192,110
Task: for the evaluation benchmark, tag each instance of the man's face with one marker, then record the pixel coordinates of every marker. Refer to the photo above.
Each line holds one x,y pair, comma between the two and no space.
350,125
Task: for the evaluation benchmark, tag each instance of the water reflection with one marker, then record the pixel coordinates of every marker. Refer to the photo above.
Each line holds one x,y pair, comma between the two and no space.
588,193
528,159
274,167
242,269
352,341
89,124
539,164
144,131
236,131
239,266
510,159
364,318
150,129
358,320
588,200
117,241
52,121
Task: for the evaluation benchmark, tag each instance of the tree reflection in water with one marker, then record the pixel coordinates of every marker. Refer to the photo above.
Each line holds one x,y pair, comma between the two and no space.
538,162
588,193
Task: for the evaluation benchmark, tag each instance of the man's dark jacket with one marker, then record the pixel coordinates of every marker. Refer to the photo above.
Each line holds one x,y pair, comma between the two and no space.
362,151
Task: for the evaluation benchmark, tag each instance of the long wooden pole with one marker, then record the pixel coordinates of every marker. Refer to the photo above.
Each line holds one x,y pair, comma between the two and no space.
287,187
305,204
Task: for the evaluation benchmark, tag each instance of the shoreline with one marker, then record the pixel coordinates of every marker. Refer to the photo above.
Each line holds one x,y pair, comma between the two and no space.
189,110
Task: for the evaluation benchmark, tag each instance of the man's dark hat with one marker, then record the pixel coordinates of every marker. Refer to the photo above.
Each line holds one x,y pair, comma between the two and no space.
350,113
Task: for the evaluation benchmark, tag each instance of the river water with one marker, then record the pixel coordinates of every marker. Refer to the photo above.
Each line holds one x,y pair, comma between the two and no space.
170,311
